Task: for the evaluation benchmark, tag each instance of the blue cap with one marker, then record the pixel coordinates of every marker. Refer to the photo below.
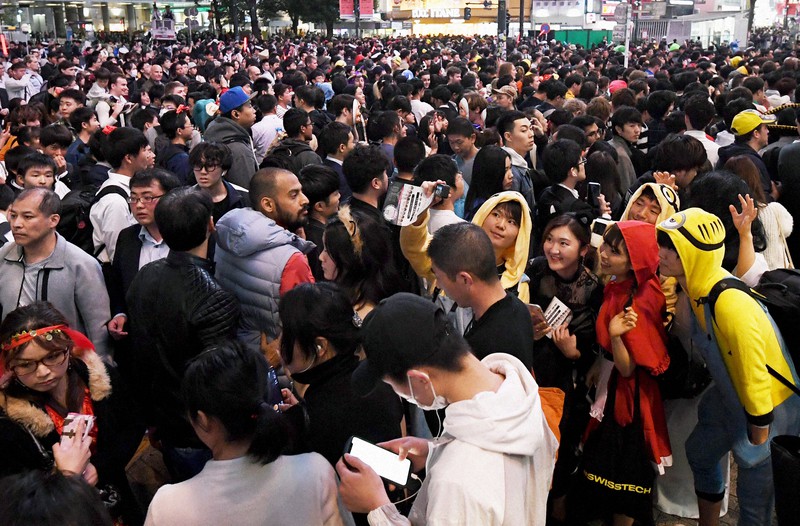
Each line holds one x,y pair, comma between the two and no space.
232,99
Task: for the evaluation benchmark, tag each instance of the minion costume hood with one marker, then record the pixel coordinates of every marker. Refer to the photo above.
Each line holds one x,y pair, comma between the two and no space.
667,198
744,334
516,256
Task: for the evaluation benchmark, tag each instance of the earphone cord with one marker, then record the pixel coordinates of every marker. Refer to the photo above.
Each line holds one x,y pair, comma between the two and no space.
415,477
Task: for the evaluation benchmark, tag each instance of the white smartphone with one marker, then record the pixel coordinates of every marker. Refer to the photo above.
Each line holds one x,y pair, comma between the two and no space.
385,463
71,426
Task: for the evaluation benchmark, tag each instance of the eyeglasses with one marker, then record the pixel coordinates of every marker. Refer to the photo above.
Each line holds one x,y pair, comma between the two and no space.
210,167
53,359
146,199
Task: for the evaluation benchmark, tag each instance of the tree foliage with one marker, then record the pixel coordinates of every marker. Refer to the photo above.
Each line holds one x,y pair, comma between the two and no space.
320,11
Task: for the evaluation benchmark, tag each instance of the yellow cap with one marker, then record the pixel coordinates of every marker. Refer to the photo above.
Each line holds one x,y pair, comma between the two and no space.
748,120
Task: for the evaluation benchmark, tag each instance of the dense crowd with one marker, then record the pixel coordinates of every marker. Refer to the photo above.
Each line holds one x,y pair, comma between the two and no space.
198,255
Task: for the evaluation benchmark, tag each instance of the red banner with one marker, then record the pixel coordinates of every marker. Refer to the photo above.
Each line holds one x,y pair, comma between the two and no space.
366,8
345,8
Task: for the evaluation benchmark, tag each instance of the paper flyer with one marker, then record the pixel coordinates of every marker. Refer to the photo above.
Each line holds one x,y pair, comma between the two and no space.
557,314
404,203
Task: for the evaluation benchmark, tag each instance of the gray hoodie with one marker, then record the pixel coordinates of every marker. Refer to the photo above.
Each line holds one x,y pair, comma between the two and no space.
238,139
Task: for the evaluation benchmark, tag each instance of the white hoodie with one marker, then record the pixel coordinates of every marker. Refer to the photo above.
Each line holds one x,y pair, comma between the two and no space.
494,463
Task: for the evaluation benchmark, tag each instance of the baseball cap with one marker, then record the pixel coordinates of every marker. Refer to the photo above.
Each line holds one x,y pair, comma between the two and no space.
401,332
748,120
191,65
617,85
232,99
511,91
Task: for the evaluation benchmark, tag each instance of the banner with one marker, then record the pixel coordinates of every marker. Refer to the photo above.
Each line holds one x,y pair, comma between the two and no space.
346,8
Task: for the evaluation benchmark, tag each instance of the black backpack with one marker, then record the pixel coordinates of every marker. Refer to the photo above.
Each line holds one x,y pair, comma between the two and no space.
779,291
5,228
289,153
75,225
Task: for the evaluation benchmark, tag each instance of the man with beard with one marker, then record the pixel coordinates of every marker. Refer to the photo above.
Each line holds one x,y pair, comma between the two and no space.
259,253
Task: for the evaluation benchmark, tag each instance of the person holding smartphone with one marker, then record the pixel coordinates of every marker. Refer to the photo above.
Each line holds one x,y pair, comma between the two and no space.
47,371
564,165
494,462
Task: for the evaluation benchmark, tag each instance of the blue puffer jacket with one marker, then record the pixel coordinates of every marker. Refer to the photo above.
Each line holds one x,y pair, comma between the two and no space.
252,251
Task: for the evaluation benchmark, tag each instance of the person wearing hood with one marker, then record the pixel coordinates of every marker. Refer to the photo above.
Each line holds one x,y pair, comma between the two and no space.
493,463
745,406
259,256
505,217
630,331
232,127
654,203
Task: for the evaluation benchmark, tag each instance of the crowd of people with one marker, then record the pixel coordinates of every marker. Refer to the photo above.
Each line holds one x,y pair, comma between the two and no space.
195,258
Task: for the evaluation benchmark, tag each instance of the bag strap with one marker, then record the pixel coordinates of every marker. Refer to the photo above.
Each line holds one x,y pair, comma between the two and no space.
734,283
786,253
108,190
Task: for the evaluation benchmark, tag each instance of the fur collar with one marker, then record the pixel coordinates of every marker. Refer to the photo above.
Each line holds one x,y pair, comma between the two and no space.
36,419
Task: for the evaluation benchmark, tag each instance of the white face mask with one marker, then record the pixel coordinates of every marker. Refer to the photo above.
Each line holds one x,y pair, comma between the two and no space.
439,402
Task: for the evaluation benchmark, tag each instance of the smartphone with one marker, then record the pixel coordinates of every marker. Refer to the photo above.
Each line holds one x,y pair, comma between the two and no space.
599,227
593,194
385,463
71,426
537,314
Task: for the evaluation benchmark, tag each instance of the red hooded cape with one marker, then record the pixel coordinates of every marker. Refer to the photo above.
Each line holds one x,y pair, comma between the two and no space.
646,343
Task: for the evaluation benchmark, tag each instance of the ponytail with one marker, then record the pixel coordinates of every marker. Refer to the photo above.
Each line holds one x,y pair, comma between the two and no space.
230,383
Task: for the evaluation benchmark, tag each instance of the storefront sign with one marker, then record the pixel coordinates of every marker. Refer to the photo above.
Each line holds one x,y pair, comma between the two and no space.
436,13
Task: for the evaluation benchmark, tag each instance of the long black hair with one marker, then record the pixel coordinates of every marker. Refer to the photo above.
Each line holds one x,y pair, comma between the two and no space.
488,172
312,310
230,382
362,252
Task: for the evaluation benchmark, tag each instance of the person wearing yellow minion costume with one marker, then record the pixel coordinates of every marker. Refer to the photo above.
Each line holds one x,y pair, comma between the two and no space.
745,406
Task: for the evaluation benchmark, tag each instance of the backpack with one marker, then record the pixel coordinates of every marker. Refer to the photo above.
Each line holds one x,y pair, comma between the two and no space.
5,228
289,153
779,291
75,225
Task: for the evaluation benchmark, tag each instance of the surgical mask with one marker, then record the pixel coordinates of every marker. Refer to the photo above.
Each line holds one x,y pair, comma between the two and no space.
439,402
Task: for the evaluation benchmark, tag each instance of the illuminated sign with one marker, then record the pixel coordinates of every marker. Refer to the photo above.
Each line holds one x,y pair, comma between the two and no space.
436,13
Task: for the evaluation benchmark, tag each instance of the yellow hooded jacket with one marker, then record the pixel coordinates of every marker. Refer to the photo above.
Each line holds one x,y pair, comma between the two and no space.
744,333
414,241
670,203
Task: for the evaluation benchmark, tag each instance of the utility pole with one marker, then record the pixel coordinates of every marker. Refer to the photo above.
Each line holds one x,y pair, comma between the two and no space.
502,27
521,19
357,14
628,35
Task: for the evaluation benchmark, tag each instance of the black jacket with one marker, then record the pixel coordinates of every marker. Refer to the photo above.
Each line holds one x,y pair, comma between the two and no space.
119,430
732,150
336,413
176,309
124,268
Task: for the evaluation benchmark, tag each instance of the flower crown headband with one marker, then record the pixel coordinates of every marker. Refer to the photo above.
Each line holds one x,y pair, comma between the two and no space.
82,344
